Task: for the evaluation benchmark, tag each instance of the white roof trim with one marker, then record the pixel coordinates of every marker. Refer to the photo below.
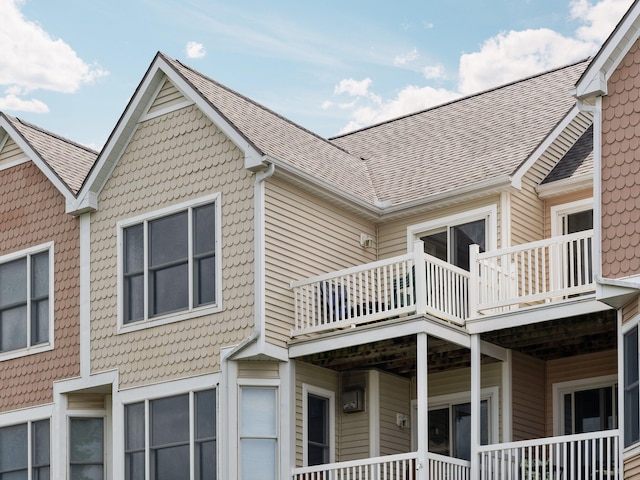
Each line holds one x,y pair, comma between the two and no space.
567,185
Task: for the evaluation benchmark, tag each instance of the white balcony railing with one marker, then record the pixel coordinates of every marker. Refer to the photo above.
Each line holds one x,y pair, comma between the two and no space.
587,456
391,467
537,272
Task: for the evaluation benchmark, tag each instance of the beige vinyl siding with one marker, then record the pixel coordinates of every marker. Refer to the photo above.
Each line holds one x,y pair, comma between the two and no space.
527,397
632,468
167,96
321,378
305,236
85,401
258,370
395,395
10,152
171,159
392,236
354,427
576,368
630,310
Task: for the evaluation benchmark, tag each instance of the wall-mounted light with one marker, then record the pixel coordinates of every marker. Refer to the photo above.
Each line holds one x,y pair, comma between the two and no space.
366,241
353,400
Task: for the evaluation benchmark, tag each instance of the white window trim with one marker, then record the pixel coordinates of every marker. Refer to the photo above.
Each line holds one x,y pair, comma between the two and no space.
558,212
492,394
562,388
488,213
331,396
192,312
30,350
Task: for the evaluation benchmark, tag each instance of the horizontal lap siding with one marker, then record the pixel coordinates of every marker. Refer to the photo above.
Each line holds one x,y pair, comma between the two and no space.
10,152
167,96
258,370
395,397
305,236
630,310
528,397
632,468
171,159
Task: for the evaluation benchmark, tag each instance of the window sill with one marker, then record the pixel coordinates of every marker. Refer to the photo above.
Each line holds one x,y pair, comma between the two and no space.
23,352
168,318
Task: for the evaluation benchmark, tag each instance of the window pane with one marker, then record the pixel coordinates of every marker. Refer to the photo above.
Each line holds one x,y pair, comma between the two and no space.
462,428
171,463
168,239
134,466
170,289
86,441
568,414
206,464
439,431
134,426
170,420
13,328
258,411
631,420
318,419
590,410
258,459
87,472
13,448
204,227
579,221
206,414
39,322
41,443
134,249
205,287
631,357
133,298
40,275
462,236
436,245
13,282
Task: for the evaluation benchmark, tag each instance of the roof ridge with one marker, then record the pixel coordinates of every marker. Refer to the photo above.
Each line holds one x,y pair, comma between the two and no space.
259,105
50,133
466,97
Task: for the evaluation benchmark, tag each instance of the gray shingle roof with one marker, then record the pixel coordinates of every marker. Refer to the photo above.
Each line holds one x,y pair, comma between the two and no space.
70,161
576,162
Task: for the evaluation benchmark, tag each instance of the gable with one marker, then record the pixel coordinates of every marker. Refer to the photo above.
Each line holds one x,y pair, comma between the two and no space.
168,97
11,154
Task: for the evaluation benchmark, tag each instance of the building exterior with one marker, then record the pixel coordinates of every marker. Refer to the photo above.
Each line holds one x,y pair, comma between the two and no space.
448,295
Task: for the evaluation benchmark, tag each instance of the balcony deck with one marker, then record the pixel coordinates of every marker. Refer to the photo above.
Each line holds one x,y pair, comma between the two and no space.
499,281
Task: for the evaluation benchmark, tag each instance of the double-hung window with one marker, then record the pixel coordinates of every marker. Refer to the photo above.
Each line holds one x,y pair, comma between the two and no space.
86,448
25,301
164,431
318,411
170,262
258,433
23,448
631,383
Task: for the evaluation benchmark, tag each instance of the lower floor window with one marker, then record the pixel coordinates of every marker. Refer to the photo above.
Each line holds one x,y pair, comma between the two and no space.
450,429
165,430
258,433
18,455
86,448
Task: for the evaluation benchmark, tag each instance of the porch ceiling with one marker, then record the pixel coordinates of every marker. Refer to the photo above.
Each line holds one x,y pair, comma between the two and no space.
545,340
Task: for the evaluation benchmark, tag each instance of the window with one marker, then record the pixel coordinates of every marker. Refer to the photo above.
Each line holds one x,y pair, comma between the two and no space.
167,425
86,448
170,262
318,410
590,410
631,398
25,306
258,433
24,448
450,429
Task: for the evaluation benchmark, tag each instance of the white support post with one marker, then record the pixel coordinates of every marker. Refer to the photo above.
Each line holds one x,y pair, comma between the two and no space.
423,405
474,279
475,406
420,276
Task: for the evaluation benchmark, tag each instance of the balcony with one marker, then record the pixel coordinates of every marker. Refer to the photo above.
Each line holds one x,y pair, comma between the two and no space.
504,280
587,456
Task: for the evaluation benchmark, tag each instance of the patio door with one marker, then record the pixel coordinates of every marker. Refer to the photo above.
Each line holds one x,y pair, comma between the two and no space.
590,410
451,243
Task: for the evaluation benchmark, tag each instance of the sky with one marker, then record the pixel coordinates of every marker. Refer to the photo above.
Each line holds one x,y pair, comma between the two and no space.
71,66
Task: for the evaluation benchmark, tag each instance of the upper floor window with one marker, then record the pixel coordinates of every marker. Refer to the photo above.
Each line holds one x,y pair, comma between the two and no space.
25,306
18,455
170,261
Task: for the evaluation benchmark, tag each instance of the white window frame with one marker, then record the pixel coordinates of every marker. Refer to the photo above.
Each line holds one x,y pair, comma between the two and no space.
489,214
49,345
624,328
106,432
560,389
29,417
191,311
189,387
491,394
331,396
559,213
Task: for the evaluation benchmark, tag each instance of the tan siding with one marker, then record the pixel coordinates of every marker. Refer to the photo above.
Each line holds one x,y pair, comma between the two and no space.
528,397
576,368
632,468
86,401
392,236
258,370
621,170
630,310
354,427
170,159
168,96
305,236
10,152
32,212
321,378
395,395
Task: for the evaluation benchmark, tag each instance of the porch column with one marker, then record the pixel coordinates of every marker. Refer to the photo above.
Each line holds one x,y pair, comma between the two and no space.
423,406
475,406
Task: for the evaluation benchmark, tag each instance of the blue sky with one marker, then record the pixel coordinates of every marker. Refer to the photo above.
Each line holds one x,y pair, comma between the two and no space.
71,65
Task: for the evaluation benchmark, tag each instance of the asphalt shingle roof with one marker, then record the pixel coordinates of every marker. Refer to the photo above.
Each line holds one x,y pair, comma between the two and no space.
577,161
70,161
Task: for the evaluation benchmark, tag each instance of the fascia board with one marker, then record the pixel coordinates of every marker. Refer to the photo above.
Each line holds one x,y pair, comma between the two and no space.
561,187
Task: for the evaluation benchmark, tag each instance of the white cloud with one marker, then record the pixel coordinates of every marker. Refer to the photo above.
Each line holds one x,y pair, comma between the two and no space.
12,102
405,58
355,88
433,72
195,50
32,60
599,19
